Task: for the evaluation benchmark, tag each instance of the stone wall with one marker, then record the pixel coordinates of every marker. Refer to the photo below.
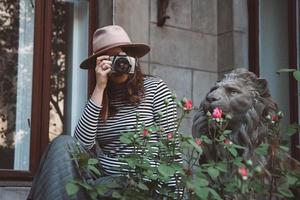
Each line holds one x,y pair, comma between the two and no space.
232,34
14,193
201,40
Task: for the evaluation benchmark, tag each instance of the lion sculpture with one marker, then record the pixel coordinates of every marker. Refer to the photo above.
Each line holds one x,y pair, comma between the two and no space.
246,98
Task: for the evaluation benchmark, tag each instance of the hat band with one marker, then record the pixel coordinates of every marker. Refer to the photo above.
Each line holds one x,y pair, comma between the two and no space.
111,46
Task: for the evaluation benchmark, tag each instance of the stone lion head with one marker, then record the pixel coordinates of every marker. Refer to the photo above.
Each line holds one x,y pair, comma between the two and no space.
246,98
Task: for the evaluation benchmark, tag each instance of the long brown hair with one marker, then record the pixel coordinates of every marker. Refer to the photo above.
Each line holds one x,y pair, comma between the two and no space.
134,92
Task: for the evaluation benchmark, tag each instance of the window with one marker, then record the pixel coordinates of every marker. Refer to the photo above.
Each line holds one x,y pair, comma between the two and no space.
274,50
69,47
16,70
42,87
273,45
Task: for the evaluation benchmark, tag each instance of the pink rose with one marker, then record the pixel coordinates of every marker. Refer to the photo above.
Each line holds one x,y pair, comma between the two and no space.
217,113
275,118
227,141
145,133
170,136
198,141
188,104
243,172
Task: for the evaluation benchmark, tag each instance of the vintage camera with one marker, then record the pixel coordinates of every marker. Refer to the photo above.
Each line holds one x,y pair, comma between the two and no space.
122,64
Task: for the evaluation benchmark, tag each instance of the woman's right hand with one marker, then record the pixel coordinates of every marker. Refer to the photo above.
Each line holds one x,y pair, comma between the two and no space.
102,69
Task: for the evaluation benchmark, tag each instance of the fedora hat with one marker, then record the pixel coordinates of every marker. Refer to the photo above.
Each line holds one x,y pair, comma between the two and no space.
108,37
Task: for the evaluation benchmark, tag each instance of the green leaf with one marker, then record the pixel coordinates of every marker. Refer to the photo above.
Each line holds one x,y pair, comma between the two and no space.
93,161
142,186
214,173
238,146
238,161
101,189
285,70
222,138
296,75
292,129
85,185
93,195
222,167
285,191
144,165
284,148
116,195
262,149
205,139
215,194
201,182
72,188
233,151
166,170
125,139
202,192
94,169
291,179
227,132
130,161
196,146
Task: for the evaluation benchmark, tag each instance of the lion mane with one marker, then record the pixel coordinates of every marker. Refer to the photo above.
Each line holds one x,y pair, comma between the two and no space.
246,98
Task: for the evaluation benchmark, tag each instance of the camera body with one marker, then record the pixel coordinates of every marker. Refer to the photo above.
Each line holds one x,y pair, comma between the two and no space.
122,63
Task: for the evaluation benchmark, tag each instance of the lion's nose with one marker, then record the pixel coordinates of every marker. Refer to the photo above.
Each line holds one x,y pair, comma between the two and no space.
212,97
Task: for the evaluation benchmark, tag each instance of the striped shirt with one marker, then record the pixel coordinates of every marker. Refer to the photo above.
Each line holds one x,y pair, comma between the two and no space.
152,109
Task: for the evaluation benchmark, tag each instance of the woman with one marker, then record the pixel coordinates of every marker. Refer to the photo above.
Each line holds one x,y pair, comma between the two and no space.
121,93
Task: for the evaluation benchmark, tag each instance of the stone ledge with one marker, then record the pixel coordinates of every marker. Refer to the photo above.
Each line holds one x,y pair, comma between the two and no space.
14,193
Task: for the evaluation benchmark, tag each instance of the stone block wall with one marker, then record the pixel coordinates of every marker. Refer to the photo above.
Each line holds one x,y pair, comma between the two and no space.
232,34
201,40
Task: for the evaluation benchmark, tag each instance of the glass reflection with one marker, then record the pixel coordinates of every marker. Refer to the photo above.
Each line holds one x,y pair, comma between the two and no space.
69,45
16,50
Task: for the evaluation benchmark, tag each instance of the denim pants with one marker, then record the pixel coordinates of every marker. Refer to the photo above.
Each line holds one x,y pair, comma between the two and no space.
56,170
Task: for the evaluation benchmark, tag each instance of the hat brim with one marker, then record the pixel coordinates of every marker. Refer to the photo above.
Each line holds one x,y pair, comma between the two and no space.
135,50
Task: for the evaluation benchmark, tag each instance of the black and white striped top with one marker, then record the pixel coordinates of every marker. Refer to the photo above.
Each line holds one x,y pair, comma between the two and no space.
91,128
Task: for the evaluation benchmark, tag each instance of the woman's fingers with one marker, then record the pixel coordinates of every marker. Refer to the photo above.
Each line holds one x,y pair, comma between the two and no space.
103,62
103,65
101,58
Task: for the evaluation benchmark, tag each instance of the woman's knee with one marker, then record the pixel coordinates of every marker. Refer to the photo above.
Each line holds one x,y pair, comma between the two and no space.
64,141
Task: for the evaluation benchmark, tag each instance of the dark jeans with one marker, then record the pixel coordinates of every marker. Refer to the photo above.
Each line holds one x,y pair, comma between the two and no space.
56,170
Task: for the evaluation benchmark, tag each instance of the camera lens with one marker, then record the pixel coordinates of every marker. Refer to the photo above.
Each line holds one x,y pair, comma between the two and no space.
122,65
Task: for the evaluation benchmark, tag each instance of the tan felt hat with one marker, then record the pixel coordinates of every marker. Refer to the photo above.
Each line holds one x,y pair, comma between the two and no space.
108,37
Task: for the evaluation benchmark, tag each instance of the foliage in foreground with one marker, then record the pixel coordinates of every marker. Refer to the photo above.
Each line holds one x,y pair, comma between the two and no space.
175,157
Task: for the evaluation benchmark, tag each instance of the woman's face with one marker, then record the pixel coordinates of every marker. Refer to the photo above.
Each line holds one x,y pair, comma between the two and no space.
117,78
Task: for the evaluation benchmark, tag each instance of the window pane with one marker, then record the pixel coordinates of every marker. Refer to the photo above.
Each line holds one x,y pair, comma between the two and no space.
274,50
16,50
69,47
298,56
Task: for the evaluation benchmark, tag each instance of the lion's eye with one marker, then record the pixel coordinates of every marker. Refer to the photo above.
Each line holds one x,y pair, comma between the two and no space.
233,91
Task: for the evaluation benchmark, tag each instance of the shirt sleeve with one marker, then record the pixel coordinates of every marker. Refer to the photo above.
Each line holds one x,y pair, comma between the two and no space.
86,128
165,114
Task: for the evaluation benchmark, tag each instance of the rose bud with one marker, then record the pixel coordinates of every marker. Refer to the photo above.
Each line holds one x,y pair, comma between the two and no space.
217,113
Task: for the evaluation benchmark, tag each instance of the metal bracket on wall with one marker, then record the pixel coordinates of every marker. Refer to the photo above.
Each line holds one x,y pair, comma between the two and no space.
162,6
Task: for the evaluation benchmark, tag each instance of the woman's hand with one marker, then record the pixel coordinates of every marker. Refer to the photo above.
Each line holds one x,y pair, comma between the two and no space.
102,69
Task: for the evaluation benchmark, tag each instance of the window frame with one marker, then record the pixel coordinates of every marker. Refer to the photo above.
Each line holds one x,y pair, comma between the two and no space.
253,56
39,137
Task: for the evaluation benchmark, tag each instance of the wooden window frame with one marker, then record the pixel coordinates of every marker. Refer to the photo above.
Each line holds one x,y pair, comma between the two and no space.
39,137
253,14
